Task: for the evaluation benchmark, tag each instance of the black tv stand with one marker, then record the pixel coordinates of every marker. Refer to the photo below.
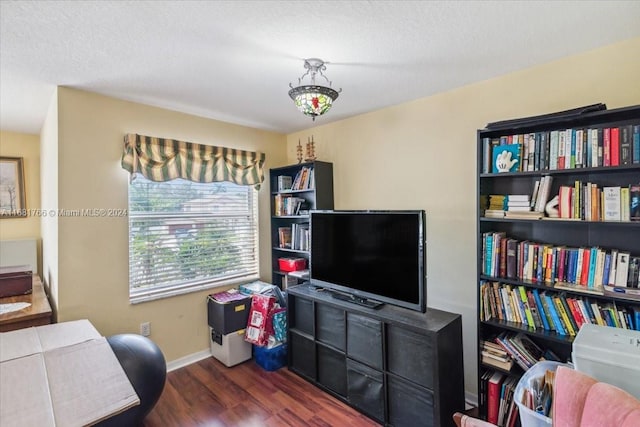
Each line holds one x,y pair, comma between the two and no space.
395,365
365,302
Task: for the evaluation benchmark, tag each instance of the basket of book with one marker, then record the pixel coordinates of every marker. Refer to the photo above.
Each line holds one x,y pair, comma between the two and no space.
534,393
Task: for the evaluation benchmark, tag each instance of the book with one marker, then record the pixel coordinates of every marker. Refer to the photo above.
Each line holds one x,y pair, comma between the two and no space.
612,203
622,269
636,144
634,202
493,396
506,158
615,147
626,135
284,182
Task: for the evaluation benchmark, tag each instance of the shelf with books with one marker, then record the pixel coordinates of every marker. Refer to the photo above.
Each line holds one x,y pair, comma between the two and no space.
295,190
562,258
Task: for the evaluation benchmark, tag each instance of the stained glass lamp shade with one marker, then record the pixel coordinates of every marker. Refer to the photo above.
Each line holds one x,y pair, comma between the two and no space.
311,99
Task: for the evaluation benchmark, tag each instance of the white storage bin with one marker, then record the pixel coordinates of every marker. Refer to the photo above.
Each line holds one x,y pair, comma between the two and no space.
528,417
610,355
231,348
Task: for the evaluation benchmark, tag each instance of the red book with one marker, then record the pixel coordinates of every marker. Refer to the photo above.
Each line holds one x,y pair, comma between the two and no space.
575,312
615,147
493,396
584,274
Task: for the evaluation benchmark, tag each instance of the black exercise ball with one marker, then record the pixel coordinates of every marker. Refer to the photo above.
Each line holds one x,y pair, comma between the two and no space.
144,364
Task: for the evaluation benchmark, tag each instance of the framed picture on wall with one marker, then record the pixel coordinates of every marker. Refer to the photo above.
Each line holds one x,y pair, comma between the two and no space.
12,194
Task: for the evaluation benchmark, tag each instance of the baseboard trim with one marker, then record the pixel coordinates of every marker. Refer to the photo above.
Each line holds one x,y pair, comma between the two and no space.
188,360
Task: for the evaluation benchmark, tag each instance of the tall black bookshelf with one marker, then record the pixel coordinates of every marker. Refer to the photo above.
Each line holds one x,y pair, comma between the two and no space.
290,211
558,234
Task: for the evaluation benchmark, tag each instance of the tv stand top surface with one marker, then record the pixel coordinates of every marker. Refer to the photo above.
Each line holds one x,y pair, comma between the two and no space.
366,302
433,319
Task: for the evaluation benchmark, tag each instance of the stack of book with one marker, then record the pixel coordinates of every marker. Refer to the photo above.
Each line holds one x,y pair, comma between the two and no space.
519,207
494,355
497,206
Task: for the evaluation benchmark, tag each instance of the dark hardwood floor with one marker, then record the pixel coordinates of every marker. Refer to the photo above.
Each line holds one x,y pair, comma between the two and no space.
207,393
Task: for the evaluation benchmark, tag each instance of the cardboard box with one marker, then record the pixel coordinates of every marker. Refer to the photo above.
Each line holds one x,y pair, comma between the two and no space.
15,280
292,264
60,375
610,355
225,315
231,348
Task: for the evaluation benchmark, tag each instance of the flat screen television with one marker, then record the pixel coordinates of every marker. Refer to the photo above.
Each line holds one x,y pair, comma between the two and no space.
370,255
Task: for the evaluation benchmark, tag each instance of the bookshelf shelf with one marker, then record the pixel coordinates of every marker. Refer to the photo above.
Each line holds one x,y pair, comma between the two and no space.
517,283
286,225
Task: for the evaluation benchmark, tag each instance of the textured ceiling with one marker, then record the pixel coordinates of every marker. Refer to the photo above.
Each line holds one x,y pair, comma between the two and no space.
233,61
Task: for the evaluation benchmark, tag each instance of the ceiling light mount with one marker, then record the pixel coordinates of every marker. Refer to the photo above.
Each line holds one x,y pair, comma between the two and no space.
311,98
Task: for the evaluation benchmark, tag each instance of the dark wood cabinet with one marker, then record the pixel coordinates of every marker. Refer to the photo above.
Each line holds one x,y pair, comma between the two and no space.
316,194
556,234
397,366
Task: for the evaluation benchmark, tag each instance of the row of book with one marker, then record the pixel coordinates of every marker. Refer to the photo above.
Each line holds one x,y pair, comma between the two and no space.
552,311
304,179
297,237
287,205
566,149
590,268
589,202
497,396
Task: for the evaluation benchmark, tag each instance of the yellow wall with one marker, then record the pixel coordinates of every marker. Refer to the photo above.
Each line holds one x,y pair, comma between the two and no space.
27,146
422,155
49,179
93,252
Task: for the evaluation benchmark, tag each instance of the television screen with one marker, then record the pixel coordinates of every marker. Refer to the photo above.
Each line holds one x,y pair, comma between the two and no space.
371,254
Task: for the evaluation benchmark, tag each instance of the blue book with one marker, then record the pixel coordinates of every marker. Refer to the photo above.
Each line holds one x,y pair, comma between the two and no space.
505,152
571,134
571,265
488,254
593,261
543,317
554,315
540,261
636,312
589,310
636,144
606,269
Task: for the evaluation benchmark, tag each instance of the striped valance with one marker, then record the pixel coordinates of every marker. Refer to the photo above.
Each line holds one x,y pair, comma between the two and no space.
160,159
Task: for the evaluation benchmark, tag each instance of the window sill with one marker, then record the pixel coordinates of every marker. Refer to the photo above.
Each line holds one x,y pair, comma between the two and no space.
156,294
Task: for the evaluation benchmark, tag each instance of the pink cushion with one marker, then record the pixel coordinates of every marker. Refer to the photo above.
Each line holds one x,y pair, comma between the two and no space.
581,401
570,391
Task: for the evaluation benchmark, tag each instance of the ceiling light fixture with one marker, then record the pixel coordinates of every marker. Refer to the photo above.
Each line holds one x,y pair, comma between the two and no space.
310,98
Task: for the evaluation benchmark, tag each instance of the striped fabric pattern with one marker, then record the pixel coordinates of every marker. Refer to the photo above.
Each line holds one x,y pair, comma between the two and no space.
161,159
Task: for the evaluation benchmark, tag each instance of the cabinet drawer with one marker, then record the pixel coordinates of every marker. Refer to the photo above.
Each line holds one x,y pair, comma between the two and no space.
330,326
410,355
364,340
365,389
409,403
332,370
303,315
302,355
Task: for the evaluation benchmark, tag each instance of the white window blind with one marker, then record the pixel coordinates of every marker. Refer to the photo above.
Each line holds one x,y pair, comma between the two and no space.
186,236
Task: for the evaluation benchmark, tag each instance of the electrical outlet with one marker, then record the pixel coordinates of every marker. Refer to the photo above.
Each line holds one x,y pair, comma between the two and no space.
145,329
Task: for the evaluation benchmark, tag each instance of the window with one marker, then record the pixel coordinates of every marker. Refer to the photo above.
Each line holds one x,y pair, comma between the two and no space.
186,236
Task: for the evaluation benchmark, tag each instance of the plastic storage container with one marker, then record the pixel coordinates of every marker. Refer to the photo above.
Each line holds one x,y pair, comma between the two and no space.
610,355
528,417
231,348
271,359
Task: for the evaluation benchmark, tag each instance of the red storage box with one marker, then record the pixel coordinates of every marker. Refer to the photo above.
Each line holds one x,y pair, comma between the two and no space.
292,264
